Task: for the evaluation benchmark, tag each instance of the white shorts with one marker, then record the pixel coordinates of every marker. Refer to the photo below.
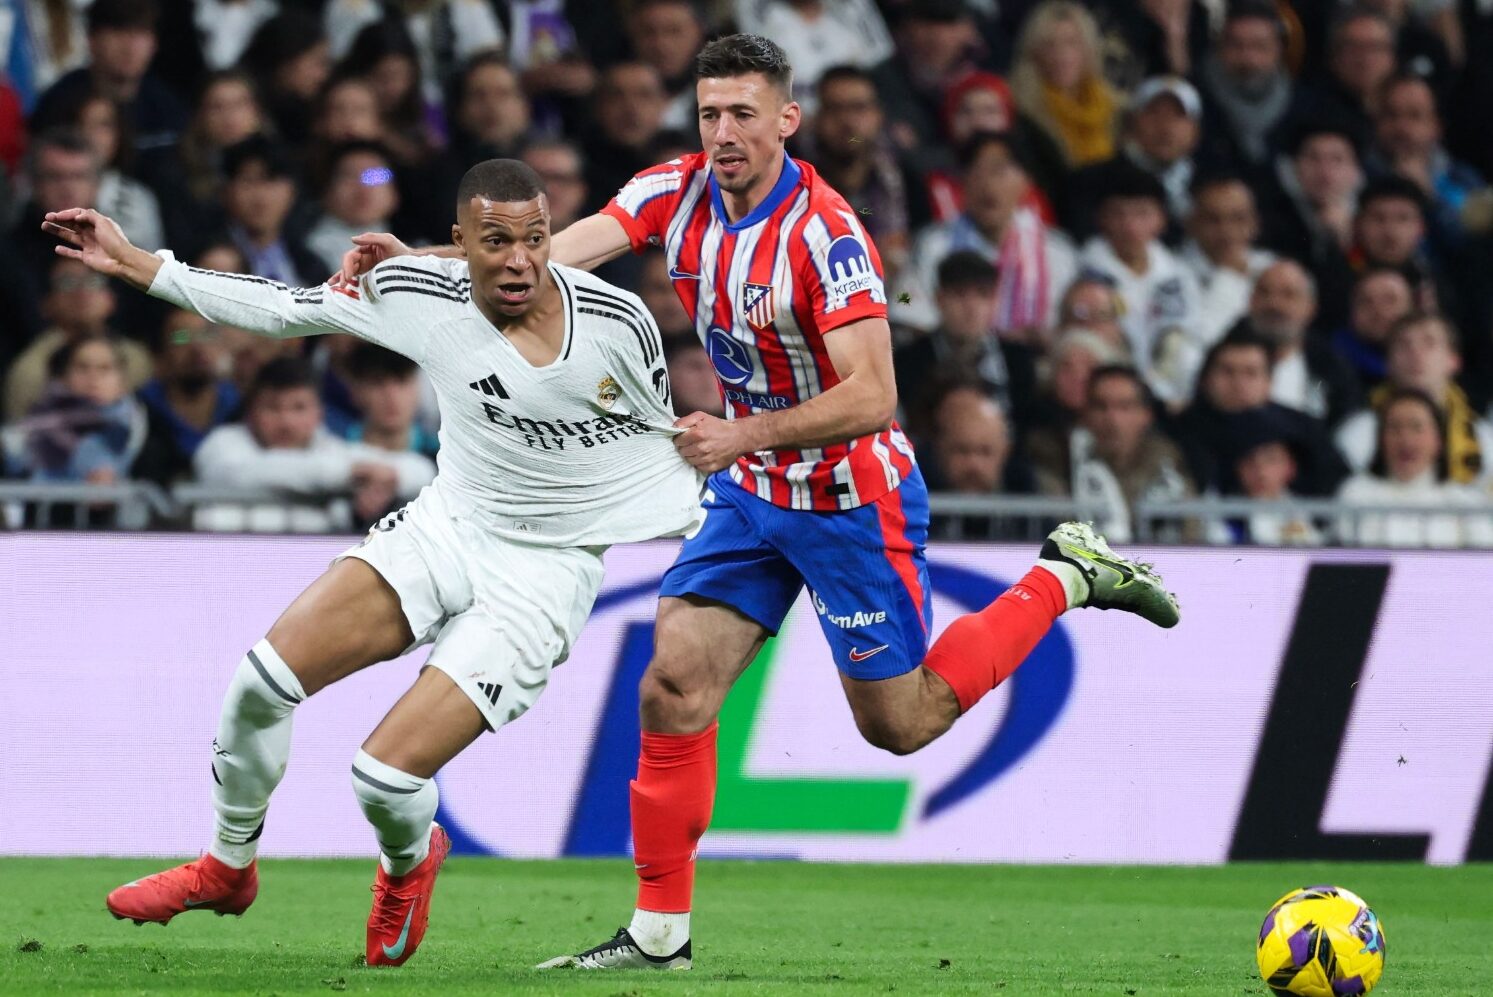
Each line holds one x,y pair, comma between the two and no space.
501,613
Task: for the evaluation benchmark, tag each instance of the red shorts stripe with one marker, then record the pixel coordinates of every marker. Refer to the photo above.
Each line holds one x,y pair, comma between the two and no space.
899,549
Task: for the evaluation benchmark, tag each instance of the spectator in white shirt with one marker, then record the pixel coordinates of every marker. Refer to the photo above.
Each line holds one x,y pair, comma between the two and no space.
359,196
282,446
1221,228
1409,469
818,34
1163,317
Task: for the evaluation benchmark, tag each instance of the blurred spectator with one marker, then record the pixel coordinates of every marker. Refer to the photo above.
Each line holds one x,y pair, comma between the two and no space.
692,380
1162,316
818,34
386,388
1058,80
64,172
121,45
128,201
1233,395
550,57
1308,374
1360,57
1249,91
289,61
1424,355
347,111
1063,394
962,347
982,102
667,34
850,149
1409,468
1222,228
78,306
1312,217
934,42
227,113
656,289
1117,457
51,40
246,352
1381,296
1092,304
1162,131
1407,133
627,114
224,28
559,164
86,427
189,396
359,196
973,453
444,33
385,55
1390,225
1035,262
1265,466
282,446
257,198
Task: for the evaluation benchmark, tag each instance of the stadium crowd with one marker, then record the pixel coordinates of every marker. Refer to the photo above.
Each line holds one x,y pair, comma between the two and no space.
1134,249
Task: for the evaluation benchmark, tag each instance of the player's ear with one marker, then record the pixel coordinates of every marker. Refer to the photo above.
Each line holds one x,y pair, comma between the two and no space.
790,119
456,239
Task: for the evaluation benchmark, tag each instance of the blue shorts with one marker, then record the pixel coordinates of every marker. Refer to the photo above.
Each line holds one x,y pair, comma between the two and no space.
865,568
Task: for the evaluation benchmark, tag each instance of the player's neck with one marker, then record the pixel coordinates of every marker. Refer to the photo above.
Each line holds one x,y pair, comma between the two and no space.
739,205
539,333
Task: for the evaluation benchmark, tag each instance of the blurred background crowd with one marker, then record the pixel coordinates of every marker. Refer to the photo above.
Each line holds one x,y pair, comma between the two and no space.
1136,250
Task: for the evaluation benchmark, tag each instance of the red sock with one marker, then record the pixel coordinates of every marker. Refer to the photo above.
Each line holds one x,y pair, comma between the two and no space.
671,802
979,650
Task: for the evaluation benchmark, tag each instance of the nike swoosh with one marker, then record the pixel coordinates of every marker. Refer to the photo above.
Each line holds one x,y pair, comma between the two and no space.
863,655
189,904
1126,575
404,936
676,274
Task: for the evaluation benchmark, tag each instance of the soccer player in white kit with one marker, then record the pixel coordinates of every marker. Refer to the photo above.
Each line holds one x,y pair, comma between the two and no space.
556,441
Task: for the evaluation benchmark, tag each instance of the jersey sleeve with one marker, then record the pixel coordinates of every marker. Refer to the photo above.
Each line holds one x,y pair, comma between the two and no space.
271,308
646,203
839,269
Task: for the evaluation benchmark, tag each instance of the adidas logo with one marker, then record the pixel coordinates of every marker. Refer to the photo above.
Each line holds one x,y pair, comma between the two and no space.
491,689
489,385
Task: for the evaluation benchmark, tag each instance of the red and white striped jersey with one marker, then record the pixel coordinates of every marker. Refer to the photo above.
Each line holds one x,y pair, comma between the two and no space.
764,291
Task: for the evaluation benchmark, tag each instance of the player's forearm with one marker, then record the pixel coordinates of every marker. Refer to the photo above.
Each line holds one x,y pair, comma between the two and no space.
590,242
139,268
232,299
856,407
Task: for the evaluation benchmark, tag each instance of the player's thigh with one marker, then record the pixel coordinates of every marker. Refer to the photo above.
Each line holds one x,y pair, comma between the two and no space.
700,649
347,619
433,722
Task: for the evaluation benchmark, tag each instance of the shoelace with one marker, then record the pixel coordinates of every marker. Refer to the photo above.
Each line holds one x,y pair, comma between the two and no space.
612,944
386,916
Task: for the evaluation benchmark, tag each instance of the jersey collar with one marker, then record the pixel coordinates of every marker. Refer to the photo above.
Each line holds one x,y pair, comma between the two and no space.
787,181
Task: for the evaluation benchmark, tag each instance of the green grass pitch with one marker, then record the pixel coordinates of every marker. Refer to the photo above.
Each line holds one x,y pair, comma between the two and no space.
762,928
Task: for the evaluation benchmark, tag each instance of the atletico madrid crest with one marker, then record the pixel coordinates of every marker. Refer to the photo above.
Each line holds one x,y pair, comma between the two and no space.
756,301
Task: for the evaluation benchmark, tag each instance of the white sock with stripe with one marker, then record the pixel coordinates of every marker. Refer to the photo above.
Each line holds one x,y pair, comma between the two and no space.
251,750
401,807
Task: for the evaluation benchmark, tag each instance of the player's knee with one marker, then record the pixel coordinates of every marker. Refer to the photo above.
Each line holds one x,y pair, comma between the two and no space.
382,789
263,686
674,696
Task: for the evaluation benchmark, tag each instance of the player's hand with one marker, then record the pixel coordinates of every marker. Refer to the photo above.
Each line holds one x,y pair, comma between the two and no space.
97,241
708,443
369,250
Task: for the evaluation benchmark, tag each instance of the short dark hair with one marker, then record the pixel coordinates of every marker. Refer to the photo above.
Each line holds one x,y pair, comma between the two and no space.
1128,181
1211,179
1346,16
122,15
977,143
964,269
257,149
281,374
59,359
842,73
367,362
932,11
1392,187
1424,316
739,55
352,147
1125,372
1317,127
499,180
1255,10
1242,336
63,138
1379,466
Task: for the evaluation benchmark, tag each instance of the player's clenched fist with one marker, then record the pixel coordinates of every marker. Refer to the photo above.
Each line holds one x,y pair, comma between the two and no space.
708,443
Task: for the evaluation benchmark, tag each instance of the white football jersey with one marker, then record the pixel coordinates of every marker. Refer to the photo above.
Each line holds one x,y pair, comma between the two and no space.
576,453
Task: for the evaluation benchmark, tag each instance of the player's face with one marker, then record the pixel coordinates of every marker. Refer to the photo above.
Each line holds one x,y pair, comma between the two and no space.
744,121
507,245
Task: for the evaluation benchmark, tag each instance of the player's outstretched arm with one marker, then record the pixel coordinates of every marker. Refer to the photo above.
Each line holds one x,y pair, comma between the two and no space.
97,241
863,402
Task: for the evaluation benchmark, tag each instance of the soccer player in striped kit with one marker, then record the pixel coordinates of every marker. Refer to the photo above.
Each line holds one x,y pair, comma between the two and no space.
812,482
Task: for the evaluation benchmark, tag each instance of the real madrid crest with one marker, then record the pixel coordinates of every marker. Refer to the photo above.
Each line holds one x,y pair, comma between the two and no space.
607,392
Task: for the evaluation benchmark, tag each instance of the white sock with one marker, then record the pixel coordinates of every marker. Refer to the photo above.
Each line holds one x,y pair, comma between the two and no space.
251,749
401,808
658,933
1075,585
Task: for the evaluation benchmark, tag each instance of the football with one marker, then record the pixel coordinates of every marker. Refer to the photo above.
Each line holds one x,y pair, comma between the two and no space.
1320,941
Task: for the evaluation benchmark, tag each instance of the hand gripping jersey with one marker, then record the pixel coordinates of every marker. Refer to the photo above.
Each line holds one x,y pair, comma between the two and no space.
576,453
764,291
